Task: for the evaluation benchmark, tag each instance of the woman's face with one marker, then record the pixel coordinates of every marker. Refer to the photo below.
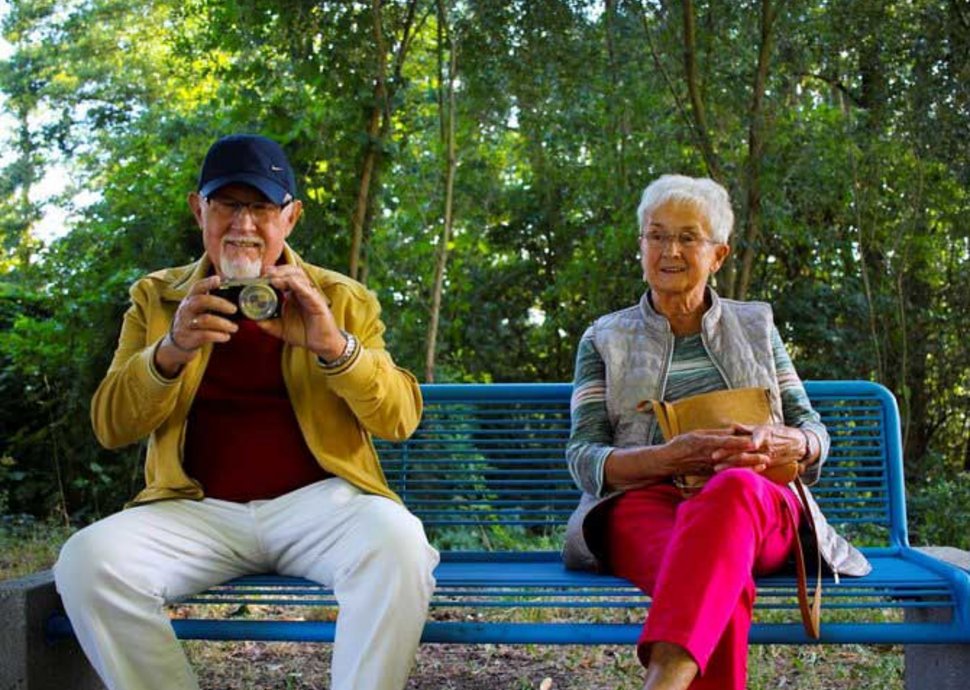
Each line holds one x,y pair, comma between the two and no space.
677,251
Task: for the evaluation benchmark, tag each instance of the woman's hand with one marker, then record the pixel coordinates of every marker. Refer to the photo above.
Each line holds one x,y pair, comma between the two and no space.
694,453
703,451
773,444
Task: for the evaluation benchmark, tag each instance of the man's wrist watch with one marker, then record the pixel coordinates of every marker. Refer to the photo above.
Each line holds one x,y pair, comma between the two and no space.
349,349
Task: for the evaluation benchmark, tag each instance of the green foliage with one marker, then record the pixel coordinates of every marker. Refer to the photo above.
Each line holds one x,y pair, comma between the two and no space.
566,109
939,506
487,537
28,545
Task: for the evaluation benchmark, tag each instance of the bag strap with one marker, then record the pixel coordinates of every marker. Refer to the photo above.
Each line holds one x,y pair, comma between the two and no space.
811,613
666,418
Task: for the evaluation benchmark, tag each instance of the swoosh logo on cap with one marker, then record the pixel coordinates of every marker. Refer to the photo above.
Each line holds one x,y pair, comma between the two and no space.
275,168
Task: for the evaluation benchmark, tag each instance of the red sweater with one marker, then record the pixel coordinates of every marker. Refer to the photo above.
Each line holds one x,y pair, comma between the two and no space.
243,441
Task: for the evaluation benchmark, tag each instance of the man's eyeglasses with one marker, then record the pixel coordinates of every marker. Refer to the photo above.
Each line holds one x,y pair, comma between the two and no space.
686,240
261,211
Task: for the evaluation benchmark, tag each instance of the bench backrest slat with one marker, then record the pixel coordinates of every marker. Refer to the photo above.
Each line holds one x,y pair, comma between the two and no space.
491,455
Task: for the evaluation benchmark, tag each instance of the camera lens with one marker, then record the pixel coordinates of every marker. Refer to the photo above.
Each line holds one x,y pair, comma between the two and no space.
258,301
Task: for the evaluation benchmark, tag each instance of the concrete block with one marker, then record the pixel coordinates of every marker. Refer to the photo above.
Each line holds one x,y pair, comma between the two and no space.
949,554
27,660
937,666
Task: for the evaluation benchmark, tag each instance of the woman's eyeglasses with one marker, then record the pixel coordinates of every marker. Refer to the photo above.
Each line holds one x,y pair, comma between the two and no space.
686,240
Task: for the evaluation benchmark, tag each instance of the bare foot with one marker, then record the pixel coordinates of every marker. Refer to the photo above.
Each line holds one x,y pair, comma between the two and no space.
670,667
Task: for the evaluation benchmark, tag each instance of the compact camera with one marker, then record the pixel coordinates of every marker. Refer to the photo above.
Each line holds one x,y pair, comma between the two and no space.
256,298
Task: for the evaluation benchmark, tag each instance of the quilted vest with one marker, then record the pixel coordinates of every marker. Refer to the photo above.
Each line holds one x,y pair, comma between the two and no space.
637,344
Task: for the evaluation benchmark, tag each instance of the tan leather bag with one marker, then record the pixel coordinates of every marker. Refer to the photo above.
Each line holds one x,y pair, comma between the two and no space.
719,409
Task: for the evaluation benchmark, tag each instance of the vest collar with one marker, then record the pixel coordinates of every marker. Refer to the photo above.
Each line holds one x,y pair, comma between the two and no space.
658,322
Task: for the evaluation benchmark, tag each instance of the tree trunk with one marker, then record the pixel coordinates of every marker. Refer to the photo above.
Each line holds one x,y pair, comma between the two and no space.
25,244
373,144
363,195
615,108
966,436
378,127
447,117
702,134
756,131
694,91
658,62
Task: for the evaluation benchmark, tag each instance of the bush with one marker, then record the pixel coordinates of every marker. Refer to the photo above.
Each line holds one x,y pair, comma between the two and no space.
939,507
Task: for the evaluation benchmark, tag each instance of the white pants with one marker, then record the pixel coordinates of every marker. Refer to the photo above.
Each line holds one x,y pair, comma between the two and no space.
116,575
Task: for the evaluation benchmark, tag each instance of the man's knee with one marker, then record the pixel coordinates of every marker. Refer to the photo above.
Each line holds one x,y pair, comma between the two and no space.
81,560
92,558
396,539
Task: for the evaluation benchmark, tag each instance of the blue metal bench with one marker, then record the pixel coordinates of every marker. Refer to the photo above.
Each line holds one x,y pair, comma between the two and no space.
486,474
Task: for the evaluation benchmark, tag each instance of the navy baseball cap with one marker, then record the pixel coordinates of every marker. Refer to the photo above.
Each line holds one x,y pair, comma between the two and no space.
248,159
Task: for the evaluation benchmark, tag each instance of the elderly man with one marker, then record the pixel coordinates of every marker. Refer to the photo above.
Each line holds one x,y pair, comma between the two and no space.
259,454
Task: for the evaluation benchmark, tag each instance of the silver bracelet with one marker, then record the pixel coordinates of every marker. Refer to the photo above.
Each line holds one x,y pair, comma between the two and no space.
808,447
171,338
349,350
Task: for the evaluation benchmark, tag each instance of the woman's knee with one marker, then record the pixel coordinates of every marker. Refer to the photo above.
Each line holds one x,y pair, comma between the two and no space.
739,482
736,494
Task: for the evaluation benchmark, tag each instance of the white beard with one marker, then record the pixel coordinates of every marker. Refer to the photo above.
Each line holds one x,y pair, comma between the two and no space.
239,267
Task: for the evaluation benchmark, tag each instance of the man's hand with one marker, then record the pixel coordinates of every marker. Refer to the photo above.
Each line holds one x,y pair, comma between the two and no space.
306,320
197,321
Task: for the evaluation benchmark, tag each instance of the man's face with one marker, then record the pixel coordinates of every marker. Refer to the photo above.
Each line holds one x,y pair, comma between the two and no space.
243,232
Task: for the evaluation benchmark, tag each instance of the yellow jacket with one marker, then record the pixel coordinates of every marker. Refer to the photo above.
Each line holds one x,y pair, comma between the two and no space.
337,410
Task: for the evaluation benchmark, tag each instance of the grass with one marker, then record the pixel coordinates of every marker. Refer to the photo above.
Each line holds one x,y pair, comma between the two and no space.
28,545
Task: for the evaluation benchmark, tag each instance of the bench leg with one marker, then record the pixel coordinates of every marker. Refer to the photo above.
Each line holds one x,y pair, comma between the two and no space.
943,666
27,660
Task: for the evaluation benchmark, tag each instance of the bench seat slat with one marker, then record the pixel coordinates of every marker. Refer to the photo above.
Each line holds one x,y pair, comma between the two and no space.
488,460
549,633
544,569
540,581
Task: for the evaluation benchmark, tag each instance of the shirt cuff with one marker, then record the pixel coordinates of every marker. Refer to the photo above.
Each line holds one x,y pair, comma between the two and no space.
349,363
158,376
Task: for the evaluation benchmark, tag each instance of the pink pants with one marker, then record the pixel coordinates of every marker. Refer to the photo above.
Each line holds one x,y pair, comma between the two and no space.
697,558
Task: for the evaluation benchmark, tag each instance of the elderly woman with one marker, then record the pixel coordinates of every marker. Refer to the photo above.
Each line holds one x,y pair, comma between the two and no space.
696,554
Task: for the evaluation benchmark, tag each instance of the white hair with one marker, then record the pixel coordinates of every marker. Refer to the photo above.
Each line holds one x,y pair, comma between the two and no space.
702,193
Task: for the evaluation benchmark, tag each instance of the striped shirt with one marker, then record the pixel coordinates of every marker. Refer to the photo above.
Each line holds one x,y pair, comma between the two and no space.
691,372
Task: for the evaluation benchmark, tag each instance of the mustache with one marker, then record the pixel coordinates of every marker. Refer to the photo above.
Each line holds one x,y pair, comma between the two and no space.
243,239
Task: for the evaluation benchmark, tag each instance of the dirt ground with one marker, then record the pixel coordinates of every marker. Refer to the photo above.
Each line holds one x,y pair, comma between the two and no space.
240,666
291,666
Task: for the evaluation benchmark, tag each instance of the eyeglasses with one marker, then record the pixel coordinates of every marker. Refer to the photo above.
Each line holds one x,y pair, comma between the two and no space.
261,211
686,240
